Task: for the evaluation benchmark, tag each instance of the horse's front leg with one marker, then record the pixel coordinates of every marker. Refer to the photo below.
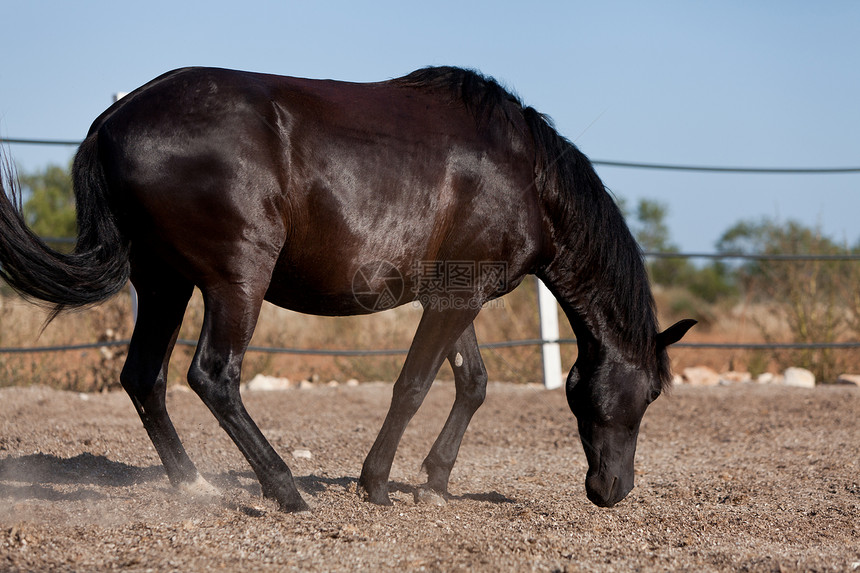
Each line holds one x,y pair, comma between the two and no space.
470,380
436,335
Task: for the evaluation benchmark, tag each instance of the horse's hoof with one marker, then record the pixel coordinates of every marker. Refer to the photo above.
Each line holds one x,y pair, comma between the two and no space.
199,488
426,496
287,497
377,497
294,506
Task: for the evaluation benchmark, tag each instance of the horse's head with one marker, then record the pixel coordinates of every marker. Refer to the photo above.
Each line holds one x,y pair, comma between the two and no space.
609,395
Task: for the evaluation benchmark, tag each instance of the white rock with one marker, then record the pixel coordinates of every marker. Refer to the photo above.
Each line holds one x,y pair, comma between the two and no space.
701,376
352,382
766,378
263,382
302,454
849,379
800,377
733,377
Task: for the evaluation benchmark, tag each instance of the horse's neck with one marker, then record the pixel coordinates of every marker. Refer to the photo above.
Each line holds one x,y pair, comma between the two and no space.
586,318
599,321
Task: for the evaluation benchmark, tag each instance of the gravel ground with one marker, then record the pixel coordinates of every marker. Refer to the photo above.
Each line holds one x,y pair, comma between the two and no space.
728,478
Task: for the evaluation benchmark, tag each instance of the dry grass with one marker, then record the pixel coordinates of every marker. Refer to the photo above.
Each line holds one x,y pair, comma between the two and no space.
21,323
514,317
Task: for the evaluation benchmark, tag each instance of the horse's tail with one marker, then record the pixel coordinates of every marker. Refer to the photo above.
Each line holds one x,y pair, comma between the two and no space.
98,266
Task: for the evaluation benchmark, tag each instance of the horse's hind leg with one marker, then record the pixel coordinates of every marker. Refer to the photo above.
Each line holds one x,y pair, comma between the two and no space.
436,335
470,380
229,320
162,302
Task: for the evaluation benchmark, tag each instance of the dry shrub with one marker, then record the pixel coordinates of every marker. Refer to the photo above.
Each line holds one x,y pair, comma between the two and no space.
22,325
513,317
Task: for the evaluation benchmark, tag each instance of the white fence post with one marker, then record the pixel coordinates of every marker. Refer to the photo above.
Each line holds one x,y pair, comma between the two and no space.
548,311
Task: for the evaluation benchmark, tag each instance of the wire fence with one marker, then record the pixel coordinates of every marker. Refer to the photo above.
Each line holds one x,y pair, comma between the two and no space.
403,351
358,352
537,341
603,162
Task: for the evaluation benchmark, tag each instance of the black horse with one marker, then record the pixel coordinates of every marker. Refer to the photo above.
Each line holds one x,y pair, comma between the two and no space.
318,196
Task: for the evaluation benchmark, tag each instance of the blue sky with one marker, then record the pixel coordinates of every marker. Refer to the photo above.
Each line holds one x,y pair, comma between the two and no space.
758,84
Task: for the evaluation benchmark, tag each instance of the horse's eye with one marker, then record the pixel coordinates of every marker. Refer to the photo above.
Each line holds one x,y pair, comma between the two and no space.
654,395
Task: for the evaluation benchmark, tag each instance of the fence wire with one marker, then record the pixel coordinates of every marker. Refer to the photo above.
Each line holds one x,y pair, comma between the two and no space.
503,343
603,162
403,351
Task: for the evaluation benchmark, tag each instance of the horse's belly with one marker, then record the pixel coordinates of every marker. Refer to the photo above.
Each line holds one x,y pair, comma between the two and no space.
328,305
372,288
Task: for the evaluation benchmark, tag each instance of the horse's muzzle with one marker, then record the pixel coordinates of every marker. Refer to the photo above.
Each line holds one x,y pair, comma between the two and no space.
605,490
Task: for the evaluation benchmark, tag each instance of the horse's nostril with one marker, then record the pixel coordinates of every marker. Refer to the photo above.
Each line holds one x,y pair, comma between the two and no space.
611,495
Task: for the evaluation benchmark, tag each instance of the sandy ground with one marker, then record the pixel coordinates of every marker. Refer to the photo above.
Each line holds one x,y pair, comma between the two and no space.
743,478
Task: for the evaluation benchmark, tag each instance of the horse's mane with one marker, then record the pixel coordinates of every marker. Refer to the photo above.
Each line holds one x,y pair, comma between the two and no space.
602,252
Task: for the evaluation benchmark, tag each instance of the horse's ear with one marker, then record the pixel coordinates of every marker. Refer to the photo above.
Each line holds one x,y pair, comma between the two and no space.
674,333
